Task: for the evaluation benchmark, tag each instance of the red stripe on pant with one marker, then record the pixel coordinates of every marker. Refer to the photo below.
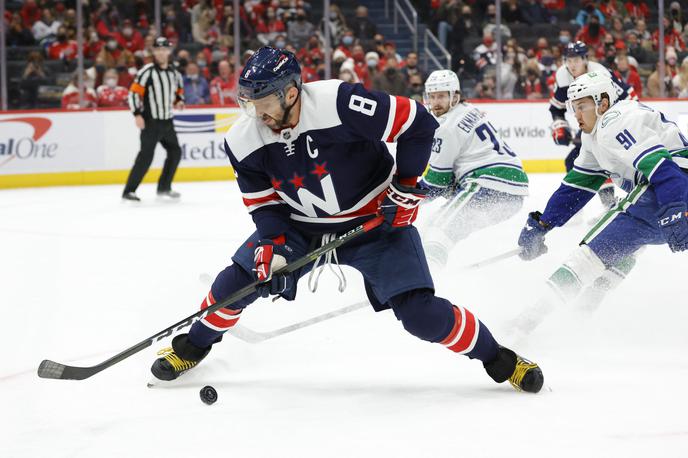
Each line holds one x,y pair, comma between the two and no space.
221,320
464,332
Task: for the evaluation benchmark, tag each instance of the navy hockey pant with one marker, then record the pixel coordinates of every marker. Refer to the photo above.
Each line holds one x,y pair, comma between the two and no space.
396,276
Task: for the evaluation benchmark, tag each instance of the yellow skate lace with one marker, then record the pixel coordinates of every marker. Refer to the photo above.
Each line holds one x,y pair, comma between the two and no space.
177,363
522,368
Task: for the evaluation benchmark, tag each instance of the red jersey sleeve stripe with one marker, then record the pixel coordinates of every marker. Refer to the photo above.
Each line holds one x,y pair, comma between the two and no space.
400,115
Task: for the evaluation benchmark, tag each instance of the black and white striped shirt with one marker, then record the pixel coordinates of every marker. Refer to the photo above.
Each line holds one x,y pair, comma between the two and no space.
155,90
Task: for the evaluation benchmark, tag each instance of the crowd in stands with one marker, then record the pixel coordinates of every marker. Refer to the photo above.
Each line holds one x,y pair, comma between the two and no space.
623,36
118,35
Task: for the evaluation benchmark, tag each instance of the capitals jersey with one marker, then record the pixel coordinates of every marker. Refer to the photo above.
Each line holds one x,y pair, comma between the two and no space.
325,174
564,78
467,148
629,143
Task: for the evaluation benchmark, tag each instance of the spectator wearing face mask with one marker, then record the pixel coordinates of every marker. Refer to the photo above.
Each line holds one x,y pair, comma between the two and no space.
490,26
634,48
196,89
361,25
592,33
111,55
223,90
93,44
300,30
372,64
347,43
589,11
110,94
485,53
129,38
62,48
280,41
390,80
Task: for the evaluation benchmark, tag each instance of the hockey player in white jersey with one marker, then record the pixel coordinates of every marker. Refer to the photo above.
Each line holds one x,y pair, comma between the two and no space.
470,165
576,64
646,155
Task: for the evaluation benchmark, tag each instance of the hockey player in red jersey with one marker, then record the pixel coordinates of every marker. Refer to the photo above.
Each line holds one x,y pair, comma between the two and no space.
311,162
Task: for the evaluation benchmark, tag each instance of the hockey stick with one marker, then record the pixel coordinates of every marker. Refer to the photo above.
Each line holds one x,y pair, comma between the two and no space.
494,259
53,370
250,336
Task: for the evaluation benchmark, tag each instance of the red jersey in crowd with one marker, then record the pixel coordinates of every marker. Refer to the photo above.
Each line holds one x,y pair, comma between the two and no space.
70,98
638,10
533,87
66,50
133,43
223,92
112,96
632,78
671,38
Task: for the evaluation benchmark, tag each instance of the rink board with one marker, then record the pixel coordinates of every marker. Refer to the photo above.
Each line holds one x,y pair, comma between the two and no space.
52,148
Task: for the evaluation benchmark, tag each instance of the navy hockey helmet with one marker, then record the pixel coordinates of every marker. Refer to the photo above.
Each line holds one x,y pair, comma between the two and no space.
577,48
268,71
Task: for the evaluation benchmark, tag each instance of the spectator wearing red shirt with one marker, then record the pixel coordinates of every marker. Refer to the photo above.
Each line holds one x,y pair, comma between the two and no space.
592,33
360,66
70,96
93,44
107,24
110,94
637,9
62,48
129,38
532,83
272,24
223,88
30,13
671,37
628,74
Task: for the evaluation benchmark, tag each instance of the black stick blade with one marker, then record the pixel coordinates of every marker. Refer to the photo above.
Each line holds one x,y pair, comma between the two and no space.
51,369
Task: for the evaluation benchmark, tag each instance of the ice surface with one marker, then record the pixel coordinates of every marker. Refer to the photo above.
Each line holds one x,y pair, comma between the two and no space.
82,277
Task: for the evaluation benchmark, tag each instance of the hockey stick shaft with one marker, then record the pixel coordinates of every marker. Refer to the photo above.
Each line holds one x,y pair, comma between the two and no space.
250,336
494,259
54,370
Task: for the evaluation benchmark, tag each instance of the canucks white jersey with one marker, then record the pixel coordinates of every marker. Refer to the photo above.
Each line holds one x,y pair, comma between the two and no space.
629,143
467,148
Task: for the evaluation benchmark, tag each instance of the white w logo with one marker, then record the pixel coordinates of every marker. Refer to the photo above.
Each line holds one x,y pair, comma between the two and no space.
309,201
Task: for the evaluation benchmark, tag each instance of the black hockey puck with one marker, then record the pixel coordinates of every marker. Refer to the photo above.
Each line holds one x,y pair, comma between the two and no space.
208,395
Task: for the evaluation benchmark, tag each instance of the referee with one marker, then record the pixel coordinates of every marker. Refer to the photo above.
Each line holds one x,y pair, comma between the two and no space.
156,88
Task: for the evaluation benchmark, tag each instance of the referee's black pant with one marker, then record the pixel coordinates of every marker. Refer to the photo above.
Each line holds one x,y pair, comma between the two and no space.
156,131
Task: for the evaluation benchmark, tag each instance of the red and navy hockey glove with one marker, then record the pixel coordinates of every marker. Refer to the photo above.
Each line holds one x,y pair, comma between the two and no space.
270,256
561,132
673,221
399,204
532,239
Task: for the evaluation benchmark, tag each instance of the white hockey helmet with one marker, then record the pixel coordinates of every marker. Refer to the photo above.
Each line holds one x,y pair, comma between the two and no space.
442,80
592,84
